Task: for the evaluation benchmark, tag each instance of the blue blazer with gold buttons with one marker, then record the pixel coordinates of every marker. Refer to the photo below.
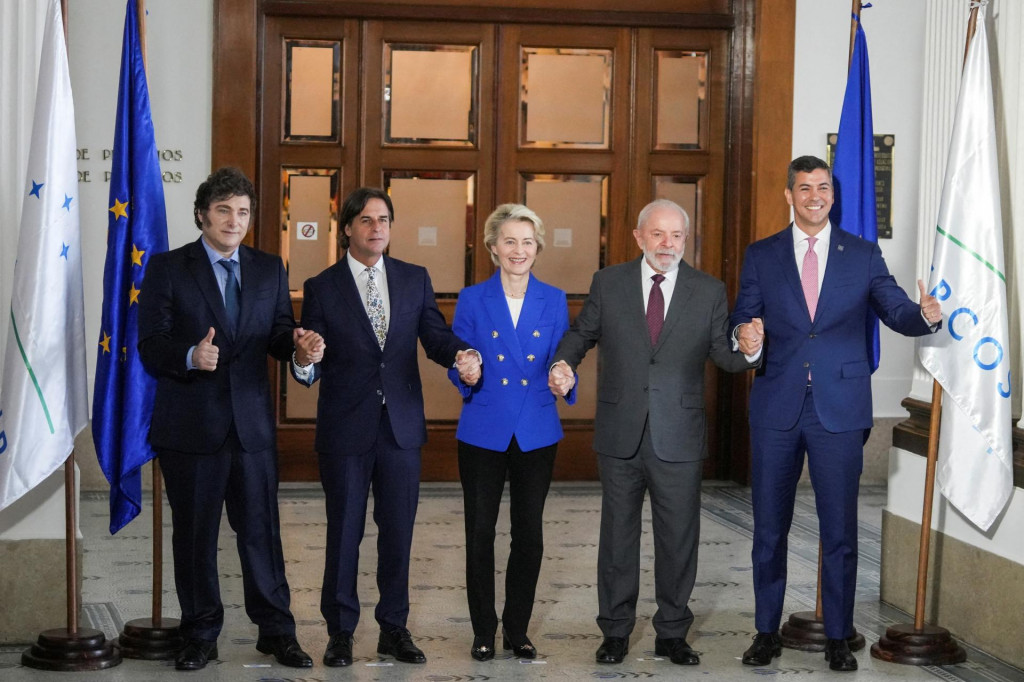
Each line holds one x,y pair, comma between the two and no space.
512,397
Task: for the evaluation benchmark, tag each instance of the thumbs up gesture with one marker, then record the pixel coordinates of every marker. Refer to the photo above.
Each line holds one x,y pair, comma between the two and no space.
205,355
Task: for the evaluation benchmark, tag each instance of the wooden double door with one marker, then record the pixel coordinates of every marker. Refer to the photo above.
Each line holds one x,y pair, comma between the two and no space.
583,123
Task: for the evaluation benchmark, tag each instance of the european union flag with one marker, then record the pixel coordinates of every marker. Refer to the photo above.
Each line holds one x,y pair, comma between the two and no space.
137,228
853,167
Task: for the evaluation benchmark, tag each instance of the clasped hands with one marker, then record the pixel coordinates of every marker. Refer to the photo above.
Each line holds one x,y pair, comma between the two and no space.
309,346
470,366
561,378
750,336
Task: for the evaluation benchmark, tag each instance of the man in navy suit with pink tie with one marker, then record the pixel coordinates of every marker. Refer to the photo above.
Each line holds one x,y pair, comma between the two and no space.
808,292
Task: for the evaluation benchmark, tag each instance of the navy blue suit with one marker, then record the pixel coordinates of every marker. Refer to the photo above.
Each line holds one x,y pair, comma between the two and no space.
214,431
370,426
827,416
509,427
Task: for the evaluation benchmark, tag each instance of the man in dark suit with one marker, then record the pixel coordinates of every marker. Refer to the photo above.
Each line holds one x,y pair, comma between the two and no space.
209,313
372,309
656,320
808,292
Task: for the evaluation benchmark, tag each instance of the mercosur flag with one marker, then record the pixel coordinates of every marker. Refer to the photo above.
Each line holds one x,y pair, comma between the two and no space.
969,356
44,401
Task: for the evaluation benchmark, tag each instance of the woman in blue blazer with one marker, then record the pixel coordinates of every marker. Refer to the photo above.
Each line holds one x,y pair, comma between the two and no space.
509,424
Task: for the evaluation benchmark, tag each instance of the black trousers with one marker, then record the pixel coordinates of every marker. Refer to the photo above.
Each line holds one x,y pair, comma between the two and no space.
198,488
483,474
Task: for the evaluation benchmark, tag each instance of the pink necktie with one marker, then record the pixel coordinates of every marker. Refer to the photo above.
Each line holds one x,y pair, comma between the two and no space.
656,309
809,277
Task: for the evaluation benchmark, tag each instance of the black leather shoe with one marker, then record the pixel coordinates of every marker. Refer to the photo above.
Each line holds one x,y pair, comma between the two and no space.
196,654
483,648
612,650
766,646
677,650
838,655
339,650
521,649
398,643
285,649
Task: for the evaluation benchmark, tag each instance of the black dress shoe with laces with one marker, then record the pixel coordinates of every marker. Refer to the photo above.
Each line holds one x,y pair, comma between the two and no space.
196,654
398,643
483,648
766,646
339,650
521,647
612,650
839,656
677,650
286,649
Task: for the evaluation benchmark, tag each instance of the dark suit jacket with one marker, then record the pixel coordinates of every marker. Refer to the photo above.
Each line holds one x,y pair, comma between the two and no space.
667,381
834,347
355,373
179,303
512,397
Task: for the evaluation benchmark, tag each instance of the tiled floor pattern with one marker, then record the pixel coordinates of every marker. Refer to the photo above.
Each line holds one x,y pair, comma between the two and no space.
117,588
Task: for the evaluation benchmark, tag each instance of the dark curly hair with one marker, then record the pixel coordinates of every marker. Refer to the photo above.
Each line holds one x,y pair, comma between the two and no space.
222,184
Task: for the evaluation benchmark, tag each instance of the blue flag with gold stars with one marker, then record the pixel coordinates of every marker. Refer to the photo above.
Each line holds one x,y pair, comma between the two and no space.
137,228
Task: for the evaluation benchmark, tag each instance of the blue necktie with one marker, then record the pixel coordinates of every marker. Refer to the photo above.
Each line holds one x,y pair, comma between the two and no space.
232,292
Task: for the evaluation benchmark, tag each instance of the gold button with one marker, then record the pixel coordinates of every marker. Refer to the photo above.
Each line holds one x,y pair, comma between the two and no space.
524,382
494,334
536,334
504,382
531,357
501,358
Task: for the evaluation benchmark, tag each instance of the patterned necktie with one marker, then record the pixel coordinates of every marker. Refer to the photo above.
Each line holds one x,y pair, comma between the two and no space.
232,292
809,277
375,307
656,309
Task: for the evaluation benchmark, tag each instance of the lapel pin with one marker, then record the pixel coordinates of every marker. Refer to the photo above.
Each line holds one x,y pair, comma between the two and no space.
840,247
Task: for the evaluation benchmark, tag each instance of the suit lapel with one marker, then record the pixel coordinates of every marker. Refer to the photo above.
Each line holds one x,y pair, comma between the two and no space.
201,270
349,295
833,269
680,295
500,317
784,252
251,280
533,306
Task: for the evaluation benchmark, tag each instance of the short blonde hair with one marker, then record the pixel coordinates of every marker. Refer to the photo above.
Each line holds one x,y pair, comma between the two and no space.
508,213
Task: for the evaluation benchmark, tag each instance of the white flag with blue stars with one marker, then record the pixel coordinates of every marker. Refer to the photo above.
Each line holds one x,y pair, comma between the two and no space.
44,398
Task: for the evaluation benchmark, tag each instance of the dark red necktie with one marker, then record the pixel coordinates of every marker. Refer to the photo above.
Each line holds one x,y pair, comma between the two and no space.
656,309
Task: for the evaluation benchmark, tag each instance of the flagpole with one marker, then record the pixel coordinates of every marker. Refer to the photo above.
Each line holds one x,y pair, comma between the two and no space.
71,649
805,630
921,644
154,638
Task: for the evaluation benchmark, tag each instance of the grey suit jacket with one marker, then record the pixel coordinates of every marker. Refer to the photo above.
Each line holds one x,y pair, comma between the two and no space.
665,381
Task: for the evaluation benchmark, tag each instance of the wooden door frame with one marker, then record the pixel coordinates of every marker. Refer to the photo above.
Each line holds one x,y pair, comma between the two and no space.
760,112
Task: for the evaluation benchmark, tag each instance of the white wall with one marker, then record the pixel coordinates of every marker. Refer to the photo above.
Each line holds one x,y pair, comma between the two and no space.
179,68
895,38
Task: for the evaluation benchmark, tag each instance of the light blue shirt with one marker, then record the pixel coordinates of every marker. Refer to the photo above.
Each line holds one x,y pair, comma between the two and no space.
220,273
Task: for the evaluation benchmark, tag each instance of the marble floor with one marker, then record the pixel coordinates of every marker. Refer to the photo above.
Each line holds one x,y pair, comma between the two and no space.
117,588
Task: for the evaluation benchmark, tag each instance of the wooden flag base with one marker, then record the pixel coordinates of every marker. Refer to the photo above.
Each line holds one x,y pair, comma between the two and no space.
804,631
143,639
931,645
65,651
